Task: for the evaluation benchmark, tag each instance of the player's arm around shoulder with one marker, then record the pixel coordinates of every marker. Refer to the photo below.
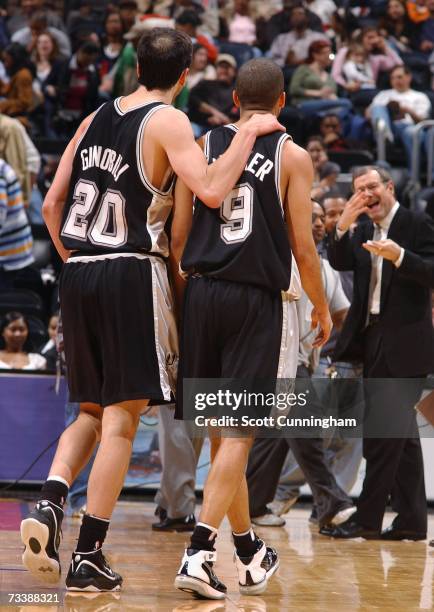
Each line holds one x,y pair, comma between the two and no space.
54,202
211,183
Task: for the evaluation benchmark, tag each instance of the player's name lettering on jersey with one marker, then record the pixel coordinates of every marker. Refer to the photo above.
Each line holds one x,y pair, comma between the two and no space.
261,171
105,159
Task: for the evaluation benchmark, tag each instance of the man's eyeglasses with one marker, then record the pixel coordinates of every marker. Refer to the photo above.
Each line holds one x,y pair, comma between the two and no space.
370,187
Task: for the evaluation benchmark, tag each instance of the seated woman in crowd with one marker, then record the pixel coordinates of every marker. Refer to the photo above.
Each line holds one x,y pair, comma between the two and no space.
312,88
18,92
398,29
381,58
14,332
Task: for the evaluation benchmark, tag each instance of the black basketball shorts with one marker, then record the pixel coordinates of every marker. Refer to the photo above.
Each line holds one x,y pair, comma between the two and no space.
119,328
236,331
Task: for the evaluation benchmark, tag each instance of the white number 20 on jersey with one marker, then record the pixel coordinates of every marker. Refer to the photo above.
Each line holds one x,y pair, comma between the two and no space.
237,210
108,227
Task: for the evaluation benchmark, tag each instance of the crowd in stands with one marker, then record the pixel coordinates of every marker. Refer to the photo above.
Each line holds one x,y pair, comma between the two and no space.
351,69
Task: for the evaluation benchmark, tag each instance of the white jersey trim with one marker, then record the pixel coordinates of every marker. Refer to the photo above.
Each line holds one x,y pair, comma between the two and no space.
206,145
117,104
277,166
101,257
139,156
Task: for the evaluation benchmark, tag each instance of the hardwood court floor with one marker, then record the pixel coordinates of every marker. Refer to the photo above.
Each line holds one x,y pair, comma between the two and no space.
316,574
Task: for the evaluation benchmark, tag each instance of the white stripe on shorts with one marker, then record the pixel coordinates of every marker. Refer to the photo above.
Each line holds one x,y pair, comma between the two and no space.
166,335
288,357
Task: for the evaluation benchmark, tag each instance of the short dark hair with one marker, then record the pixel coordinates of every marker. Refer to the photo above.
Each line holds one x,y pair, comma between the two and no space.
259,84
403,67
89,48
189,17
162,56
384,175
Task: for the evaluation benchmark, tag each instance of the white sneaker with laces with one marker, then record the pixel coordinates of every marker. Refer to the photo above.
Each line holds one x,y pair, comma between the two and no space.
254,572
196,575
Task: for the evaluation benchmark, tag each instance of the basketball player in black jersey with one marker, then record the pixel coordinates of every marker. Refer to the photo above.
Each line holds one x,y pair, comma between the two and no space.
238,321
106,212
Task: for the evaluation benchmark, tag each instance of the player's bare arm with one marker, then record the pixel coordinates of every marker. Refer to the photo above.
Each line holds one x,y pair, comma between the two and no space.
181,225
298,176
211,183
54,202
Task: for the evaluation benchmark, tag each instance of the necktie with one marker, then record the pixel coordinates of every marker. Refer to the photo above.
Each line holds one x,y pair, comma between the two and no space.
374,271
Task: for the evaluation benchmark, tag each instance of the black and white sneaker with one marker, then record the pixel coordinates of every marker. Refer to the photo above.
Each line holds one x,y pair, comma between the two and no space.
254,572
40,534
90,571
196,575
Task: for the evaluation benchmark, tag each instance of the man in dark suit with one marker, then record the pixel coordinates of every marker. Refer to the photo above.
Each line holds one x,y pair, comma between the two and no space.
389,329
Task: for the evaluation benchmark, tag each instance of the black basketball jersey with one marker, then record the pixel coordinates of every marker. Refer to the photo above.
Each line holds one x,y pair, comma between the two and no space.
246,239
111,205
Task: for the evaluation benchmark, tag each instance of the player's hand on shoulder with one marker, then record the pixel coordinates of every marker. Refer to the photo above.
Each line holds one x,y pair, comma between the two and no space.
263,123
321,317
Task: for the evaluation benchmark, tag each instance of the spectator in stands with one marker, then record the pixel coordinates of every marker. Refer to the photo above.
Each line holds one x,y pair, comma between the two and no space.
39,23
18,150
312,88
242,28
357,69
112,43
281,22
48,68
417,11
13,152
28,8
324,9
49,349
396,26
426,33
381,57
328,176
16,242
46,59
188,22
78,86
200,70
18,92
318,154
292,48
211,102
14,334
330,129
82,21
399,109
129,13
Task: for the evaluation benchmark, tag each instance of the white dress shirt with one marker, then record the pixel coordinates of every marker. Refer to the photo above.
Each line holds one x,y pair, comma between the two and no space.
383,228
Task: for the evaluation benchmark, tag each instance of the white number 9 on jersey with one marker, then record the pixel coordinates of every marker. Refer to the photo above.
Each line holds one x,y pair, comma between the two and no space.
237,211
